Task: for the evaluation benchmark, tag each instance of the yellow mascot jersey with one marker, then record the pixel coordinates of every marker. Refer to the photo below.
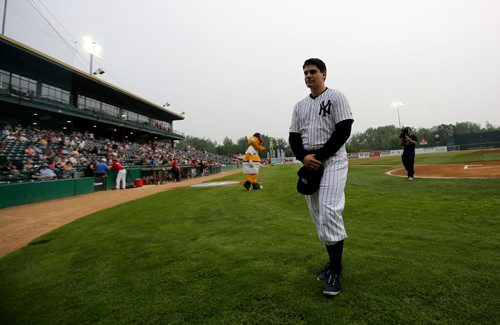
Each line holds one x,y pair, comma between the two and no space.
251,160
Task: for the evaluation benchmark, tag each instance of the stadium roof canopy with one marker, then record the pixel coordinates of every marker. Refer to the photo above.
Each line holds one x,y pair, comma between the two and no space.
41,69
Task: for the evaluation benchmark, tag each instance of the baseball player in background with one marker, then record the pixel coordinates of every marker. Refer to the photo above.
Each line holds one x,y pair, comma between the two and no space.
321,124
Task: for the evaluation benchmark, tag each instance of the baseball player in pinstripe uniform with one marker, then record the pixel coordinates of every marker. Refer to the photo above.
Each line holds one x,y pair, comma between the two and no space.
321,124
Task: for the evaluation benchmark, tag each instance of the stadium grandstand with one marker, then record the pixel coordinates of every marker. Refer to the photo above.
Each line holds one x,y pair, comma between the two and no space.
39,89
52,113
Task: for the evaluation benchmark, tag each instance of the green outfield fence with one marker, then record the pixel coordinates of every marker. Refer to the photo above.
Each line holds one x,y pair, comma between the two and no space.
12,194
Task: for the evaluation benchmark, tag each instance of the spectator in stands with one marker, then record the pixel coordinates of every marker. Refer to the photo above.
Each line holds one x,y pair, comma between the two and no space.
22,137
35,174
175,170
89,170
193,168
101,168
37,149
58,169
65,150
200,168
82,160
49,154
74,158
121,174
81,144
9,169
68,170
30,151
43,143
63,160
28,166
46,172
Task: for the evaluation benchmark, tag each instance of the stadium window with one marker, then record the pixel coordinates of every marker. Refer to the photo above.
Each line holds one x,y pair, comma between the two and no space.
131,116
89,104
55,94
110,110
143,119
22,85
4,79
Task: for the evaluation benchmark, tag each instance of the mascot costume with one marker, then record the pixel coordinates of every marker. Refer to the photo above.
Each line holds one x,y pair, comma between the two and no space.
251,162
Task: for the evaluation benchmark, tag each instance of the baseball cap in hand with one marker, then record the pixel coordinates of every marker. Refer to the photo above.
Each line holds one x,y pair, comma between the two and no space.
309,180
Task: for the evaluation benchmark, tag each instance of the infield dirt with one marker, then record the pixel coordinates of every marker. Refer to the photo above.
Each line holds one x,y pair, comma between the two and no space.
484,169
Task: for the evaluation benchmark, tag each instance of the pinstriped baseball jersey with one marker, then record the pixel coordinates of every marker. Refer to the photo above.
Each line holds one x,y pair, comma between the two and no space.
315,119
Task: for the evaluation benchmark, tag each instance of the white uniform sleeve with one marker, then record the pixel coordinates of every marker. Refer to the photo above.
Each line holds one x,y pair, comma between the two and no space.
342,109
294,127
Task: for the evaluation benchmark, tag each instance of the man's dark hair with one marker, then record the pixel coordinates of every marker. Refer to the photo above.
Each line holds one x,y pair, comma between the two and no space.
317,63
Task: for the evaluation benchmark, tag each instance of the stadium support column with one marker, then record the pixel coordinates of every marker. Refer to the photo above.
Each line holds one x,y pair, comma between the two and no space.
74,93
38,89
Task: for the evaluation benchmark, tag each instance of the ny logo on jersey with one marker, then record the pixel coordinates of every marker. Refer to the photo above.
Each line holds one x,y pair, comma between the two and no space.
325,108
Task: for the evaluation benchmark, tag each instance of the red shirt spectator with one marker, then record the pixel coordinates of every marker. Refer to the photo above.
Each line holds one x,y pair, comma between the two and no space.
30,151
175,170
121,176
116,165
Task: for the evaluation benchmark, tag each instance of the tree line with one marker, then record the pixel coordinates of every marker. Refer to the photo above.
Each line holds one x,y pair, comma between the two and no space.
373,139
229,148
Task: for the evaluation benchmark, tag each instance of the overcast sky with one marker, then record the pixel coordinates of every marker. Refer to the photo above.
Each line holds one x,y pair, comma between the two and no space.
235,67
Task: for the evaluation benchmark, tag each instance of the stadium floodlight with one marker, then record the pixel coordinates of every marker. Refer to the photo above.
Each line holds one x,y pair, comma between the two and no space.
93,48
99,71
397,105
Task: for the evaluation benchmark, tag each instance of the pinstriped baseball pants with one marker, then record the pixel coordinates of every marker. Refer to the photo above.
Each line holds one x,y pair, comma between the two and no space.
327,204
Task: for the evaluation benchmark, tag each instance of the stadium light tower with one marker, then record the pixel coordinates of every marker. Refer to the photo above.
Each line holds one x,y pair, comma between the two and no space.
93,48
397,105
4,16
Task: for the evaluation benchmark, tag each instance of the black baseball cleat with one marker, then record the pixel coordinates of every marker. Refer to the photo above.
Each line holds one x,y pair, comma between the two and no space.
256,186
247,185
325,273
332,286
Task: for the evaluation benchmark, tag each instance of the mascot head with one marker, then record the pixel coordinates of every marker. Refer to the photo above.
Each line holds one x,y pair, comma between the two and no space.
256,141
258,136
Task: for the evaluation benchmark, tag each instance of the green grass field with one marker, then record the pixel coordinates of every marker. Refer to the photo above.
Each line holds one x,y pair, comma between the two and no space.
422,252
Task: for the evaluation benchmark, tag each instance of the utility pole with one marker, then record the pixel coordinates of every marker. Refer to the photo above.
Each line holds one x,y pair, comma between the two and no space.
4,17
397,105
